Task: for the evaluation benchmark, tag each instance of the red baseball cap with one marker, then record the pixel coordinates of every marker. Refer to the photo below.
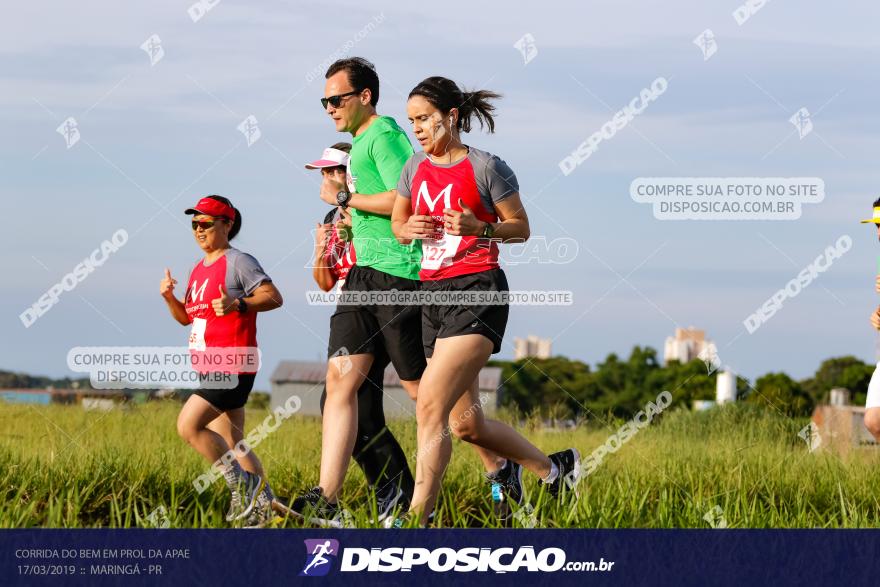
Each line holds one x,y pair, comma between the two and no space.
212,207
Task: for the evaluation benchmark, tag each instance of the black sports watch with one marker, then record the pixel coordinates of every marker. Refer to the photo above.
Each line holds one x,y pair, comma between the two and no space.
488,231
343,197
242,306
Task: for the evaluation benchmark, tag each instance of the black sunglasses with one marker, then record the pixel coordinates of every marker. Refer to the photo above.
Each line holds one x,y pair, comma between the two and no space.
203,224
336,101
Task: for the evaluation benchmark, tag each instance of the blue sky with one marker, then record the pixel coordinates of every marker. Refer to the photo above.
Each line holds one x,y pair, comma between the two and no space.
163,135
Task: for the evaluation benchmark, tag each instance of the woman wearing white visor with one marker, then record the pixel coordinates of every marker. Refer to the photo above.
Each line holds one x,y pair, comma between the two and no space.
376,450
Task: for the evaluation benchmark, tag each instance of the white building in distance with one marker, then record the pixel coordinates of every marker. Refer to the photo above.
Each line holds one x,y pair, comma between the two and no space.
687,344
531,346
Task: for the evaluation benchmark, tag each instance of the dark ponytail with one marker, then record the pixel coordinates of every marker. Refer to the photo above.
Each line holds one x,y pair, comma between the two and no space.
236,224
444,95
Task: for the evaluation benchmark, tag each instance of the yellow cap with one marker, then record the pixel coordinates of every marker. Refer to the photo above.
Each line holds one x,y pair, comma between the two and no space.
876,218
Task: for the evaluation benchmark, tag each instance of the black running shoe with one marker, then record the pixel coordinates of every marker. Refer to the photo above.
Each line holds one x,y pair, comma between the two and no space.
392,500
506,489
569,464
312,507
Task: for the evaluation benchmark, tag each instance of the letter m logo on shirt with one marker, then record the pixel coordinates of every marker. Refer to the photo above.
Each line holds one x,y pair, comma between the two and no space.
445,193
197,295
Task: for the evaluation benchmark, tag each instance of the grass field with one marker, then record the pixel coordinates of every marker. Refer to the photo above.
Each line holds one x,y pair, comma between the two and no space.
65,467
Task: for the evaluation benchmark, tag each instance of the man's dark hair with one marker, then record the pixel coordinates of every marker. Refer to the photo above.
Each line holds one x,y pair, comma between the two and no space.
361,75
876,203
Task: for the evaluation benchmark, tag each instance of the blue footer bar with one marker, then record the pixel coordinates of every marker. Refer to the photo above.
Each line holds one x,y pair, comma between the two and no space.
367,557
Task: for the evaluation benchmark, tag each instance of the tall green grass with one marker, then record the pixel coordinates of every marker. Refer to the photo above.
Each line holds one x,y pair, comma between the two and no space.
63,467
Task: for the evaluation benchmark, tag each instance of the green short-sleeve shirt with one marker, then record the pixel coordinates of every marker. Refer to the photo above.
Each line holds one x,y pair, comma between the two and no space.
377,158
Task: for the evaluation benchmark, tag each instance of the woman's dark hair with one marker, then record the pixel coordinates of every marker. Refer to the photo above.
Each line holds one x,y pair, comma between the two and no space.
236,224
876,203
361,75
445,95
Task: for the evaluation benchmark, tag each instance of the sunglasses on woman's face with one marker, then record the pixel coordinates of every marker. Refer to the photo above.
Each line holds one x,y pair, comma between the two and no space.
203,224
336,101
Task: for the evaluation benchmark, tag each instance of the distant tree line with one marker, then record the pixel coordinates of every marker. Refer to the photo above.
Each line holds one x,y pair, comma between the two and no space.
567,388
562,387
10,380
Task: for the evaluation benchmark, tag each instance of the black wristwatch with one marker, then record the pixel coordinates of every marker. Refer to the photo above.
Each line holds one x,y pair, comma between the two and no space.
242,306
343,197
488,231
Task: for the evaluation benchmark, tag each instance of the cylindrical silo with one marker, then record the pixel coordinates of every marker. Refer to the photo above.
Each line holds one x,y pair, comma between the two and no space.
725,390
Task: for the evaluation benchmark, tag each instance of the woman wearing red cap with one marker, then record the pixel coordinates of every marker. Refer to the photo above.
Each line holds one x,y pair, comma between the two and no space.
225,291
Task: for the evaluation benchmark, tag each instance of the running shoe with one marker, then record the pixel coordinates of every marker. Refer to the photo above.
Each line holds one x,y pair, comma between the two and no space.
234,504
403,520
266,497
393,499
244,496
396,522
263,515
569,464
312,507
506,489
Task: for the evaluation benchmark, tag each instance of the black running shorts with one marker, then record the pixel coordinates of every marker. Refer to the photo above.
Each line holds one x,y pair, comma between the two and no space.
453,320
365,329
230,399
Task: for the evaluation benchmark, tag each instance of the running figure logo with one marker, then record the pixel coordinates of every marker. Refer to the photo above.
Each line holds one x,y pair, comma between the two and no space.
318,553
802,122
250,128
153,48
707,44
70,131
526,46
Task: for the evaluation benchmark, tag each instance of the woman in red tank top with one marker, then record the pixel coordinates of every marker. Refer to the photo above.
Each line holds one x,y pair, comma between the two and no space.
461,202
225,291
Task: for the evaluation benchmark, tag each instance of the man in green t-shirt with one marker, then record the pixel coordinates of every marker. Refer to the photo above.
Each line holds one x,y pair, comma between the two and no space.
378,154
379,150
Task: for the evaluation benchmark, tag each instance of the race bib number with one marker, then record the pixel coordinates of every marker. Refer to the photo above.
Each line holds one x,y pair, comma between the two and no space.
197,335
439,253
